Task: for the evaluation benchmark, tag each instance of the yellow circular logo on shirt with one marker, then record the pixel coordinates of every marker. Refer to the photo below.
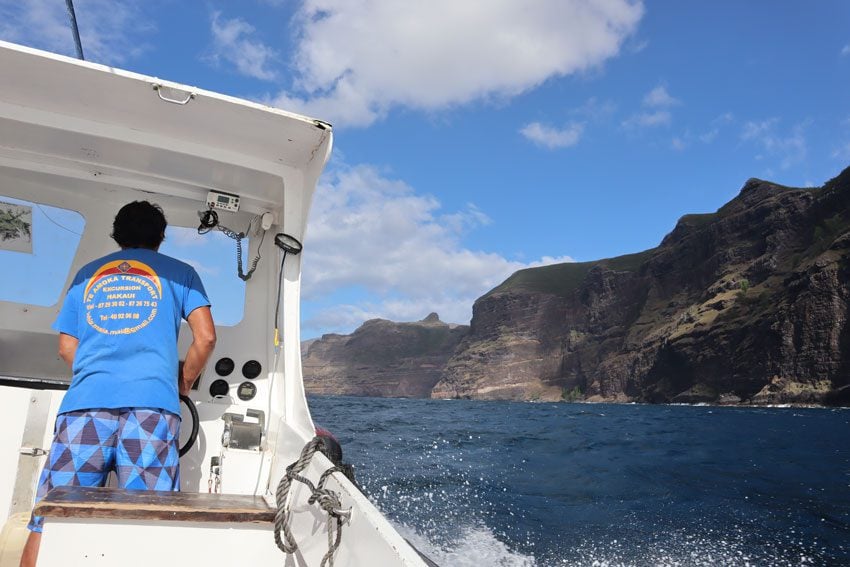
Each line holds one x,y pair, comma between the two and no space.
122,297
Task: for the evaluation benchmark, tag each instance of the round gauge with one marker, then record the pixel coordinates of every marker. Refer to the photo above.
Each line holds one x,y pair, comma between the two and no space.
219,388
224,366
246,391
251,369
288,243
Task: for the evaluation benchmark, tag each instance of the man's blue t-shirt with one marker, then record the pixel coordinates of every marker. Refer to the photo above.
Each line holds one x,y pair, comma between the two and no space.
125,309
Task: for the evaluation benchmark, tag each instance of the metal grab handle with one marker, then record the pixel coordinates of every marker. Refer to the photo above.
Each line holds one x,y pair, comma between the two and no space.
158,88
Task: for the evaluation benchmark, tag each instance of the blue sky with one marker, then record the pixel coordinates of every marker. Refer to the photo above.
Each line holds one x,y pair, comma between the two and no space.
478,137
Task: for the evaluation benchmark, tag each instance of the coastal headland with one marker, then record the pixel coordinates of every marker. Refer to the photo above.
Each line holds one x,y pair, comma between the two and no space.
746,305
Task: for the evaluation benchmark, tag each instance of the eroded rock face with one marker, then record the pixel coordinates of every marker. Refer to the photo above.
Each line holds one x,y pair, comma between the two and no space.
748,305
745,305
381,359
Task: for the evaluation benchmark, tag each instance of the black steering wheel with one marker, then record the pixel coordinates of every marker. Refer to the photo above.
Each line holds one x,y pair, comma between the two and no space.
193,412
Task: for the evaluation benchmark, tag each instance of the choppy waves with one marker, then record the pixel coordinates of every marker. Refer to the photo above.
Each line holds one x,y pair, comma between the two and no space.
483,483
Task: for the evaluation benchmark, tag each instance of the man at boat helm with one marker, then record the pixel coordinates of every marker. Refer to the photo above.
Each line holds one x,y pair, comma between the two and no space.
118,332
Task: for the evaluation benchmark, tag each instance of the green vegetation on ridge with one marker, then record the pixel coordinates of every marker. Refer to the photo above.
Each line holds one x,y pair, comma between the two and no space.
564,279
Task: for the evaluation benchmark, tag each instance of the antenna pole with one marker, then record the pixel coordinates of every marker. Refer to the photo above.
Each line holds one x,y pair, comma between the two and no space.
73,17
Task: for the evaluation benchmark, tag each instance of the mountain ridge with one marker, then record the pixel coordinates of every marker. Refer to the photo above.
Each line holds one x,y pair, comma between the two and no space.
748,304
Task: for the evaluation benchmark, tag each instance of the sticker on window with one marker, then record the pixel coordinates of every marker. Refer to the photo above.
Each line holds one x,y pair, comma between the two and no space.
15,228
39,276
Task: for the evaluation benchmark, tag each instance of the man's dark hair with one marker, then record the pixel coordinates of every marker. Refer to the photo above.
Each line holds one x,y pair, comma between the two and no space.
139,224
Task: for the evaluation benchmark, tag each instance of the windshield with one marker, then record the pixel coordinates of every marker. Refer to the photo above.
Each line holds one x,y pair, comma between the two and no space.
37,246
213,255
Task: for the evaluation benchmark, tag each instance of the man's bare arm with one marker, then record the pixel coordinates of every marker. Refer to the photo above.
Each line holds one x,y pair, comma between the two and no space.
68,348
203,342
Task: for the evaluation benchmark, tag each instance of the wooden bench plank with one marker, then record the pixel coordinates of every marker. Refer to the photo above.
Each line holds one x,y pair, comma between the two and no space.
113,503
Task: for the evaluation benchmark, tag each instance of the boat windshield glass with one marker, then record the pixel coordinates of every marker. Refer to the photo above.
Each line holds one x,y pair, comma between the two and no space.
37,247
213,255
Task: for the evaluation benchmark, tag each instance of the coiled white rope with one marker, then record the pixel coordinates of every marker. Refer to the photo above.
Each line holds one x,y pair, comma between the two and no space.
327,500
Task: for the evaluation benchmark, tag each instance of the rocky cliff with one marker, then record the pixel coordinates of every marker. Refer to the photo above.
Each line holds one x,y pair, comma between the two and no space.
381,358
745,305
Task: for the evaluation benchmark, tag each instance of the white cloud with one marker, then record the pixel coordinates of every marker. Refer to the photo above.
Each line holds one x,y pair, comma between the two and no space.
595,109
789,147
346,317
398,248
188,237
111,32
656,103
356,61
648,119
233,43
710,135
679,144
659,97
846,50
759,130
550,137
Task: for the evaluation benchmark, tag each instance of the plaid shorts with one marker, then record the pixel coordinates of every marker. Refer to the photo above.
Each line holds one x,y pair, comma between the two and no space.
139,444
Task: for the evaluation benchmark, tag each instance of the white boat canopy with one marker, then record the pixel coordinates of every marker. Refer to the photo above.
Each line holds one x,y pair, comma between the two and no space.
72,133
119,127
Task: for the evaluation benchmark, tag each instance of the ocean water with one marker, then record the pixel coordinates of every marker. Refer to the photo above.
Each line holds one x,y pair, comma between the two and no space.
475,483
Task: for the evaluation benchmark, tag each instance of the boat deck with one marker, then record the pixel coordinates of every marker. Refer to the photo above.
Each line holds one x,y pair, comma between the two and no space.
113,503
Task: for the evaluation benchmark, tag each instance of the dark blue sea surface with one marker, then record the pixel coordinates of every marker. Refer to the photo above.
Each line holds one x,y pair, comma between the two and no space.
528,484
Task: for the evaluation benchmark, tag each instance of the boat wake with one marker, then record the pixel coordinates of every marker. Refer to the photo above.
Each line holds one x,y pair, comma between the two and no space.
476,546
473,547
